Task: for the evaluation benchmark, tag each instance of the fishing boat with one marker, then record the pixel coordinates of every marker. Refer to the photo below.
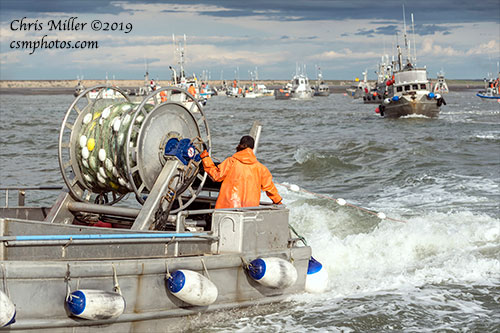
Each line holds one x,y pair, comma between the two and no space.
146,88
381,90
301,88
132,242
284,92
441,87
490,91
179,77
79,88
321,89
359,88
410,89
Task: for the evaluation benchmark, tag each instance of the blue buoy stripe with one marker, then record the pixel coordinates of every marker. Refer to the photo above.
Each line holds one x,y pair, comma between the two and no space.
176,281
106,236
314,266
76,302
257,269
12,320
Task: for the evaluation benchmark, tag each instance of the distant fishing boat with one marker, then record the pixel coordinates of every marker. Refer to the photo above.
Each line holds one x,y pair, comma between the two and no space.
441,87
321,88
283,92
410,92
79,88
490,89
301,88
381,90
359,87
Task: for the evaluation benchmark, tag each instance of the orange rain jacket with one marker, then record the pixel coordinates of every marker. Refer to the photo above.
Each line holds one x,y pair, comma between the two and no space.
243,177
192,90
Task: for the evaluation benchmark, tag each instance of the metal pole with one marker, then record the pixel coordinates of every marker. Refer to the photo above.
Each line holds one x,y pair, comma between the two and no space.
102,209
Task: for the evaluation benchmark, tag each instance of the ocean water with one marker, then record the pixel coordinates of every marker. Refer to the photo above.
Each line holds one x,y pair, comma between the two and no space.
435,269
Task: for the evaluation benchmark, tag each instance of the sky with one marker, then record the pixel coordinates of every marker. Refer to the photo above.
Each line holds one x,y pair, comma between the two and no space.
233,39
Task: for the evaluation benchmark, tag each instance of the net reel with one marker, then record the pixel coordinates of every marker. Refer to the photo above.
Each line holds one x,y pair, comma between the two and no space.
109,146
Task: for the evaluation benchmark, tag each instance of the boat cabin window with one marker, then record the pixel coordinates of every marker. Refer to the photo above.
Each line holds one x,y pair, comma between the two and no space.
422,86
415,87
297,81
400,88
407,87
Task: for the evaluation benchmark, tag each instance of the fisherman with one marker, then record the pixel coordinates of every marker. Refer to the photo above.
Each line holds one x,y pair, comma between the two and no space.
192,90
242,177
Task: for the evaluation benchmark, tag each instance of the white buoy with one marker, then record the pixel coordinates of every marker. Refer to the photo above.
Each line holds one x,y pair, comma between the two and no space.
94,304
87,118
317,277
83,141
109,165
102,172
100,179
341,202
85,152
116,124
294,188
85,163
106,112
192,287
102,155
273,272
381,216
7,310
387,101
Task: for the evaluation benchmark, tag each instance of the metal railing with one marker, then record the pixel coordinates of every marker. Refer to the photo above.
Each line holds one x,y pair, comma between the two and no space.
21,192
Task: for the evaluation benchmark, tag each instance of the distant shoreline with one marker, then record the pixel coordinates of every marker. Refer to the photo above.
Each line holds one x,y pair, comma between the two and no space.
57,87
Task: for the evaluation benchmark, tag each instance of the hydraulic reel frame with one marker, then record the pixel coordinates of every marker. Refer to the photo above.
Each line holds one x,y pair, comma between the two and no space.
72,124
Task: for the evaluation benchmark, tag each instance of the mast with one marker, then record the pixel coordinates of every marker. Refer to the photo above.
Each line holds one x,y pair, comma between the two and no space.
414,43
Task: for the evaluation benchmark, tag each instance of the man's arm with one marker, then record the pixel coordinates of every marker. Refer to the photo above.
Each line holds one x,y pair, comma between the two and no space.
269,187
216,172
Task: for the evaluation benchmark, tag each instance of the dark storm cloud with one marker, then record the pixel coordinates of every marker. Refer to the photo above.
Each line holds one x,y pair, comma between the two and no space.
390,30
426,11
420,29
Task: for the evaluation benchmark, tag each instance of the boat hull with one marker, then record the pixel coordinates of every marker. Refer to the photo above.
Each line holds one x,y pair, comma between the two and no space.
301,94
404,107
488,96
38,274
282,94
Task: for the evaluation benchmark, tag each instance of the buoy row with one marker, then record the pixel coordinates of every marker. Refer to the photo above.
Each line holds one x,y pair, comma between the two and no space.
101,146
189,286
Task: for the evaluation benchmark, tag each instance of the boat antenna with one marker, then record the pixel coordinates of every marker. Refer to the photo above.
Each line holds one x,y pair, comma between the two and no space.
414,43
407,48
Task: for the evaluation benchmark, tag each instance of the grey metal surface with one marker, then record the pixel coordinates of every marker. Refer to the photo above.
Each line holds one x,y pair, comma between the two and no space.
37,275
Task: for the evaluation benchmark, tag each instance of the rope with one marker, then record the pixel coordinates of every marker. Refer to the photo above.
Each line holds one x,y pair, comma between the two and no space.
115,281
302,238
340,202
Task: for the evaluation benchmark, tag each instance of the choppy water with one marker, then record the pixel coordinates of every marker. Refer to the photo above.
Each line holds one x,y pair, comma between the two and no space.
439,271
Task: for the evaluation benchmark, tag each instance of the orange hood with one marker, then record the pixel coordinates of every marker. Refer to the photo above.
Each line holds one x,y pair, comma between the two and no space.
245,156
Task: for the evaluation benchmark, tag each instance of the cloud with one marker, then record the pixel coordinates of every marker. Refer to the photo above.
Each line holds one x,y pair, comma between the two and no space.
491,47
428,47
345,53
390,30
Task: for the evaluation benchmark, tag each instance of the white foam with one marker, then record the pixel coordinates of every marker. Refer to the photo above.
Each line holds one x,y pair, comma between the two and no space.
385,255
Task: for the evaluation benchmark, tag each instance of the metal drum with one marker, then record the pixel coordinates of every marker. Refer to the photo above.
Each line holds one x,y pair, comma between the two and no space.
109,147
